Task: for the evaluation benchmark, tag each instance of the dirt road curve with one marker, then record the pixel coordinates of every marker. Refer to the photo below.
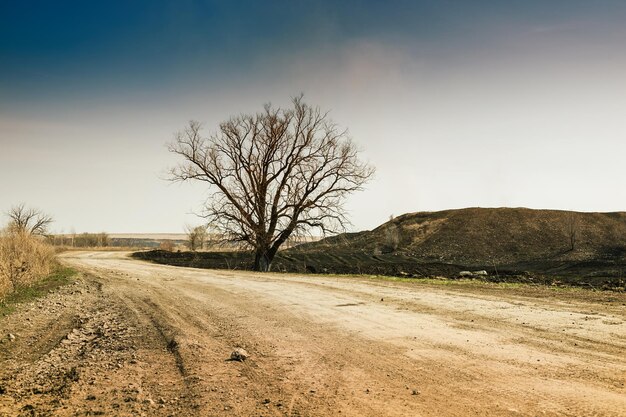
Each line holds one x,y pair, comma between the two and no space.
133,338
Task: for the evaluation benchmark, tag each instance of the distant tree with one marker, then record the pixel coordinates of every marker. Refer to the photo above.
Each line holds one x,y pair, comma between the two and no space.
58,239
272,174
167,245
196,237
92,240
85,240
28,220
103,239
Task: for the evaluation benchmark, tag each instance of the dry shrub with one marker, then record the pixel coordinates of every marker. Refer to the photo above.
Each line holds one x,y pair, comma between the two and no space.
167,245
24,259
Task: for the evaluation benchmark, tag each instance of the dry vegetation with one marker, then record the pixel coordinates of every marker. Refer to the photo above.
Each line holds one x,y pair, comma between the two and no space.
24,259
82,240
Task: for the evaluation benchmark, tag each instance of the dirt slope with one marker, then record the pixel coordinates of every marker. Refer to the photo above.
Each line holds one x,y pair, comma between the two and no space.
479,236
135,338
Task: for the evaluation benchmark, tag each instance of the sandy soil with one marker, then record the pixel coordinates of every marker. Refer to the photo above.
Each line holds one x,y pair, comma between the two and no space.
132,338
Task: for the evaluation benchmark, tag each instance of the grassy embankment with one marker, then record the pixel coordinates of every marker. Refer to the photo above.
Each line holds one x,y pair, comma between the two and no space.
60,276
28,268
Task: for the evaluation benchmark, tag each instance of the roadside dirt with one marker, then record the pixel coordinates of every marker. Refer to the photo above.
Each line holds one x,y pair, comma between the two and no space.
133,338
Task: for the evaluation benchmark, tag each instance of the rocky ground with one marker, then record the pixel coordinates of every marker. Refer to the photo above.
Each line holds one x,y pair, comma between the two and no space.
81,351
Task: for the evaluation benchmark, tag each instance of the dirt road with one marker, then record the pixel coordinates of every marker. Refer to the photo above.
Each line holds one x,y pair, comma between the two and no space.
134,338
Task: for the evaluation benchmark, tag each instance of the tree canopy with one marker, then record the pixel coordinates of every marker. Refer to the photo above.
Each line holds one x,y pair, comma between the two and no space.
272,174
28,220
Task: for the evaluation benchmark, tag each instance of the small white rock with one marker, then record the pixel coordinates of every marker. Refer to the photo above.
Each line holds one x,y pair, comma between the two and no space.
239,354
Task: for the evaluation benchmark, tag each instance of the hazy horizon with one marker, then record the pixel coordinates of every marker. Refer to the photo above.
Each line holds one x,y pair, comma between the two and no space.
456,104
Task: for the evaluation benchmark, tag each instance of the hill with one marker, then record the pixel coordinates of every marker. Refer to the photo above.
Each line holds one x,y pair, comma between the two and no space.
519,243
510,244
482,236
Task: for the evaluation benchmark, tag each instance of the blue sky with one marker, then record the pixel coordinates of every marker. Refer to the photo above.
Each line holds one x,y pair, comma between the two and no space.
457,103
76,47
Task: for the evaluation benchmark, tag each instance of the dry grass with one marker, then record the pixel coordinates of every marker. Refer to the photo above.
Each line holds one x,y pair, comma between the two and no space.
24,259
60,276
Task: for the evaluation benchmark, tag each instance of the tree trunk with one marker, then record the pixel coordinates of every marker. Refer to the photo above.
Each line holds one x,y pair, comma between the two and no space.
265,254
263,259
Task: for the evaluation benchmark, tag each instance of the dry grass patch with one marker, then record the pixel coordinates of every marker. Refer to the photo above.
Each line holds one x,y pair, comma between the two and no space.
24,259
59,277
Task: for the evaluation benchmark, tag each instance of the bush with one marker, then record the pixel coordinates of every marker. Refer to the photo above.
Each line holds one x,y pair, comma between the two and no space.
24,259
167,245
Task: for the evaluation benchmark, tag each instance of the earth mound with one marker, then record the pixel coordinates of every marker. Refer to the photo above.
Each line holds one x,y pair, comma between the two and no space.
484,236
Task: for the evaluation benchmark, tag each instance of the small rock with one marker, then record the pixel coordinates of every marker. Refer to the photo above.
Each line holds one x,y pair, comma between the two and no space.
415,392
72,374
11,337
91,397
239,354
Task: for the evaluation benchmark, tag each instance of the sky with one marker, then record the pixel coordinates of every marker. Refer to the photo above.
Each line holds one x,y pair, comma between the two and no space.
517,103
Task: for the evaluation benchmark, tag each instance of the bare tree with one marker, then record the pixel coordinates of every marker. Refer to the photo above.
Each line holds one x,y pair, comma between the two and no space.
103,239
273,174
28,220
196,237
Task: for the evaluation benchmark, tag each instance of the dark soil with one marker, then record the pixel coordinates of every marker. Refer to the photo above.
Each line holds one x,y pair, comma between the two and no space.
598,275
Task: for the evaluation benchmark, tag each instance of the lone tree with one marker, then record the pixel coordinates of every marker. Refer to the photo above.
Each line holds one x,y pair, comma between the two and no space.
272,174
28,220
